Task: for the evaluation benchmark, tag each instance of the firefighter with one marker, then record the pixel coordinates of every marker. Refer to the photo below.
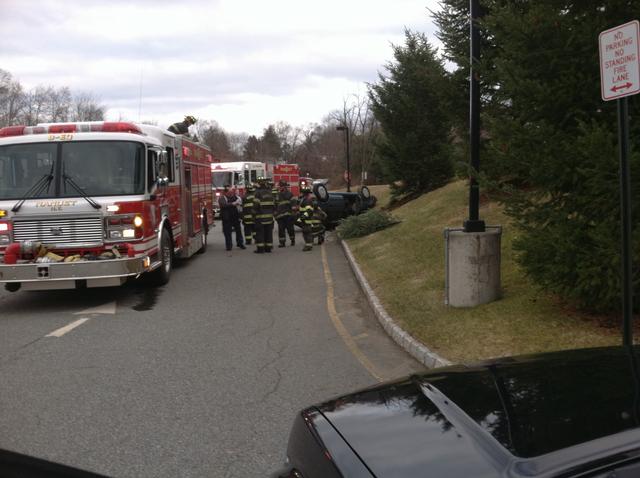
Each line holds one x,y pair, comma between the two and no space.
305,220
317,223
183,126
286,206
263,205
247,214
230,204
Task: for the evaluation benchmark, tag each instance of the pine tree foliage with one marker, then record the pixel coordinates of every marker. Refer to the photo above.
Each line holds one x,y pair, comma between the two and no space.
410,104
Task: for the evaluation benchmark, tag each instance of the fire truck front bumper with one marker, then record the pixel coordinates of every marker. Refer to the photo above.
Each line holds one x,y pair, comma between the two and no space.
72,275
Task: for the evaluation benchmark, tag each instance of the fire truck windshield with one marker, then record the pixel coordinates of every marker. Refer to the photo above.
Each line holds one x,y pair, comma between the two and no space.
221,178
22,166
100,168
103,168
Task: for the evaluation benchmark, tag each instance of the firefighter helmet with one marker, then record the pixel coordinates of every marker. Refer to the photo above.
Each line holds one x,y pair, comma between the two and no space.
283,183
190,119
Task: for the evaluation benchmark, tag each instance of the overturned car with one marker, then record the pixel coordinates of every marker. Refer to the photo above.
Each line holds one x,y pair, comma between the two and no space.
339,205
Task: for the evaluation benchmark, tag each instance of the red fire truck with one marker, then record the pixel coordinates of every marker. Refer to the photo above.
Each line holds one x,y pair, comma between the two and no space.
286,172
91,204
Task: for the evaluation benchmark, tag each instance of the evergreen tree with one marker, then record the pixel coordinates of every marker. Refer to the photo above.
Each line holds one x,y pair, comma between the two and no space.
410,104
250,150
552,143
270,145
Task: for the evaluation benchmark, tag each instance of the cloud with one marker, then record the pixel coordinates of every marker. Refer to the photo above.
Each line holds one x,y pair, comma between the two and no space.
240,62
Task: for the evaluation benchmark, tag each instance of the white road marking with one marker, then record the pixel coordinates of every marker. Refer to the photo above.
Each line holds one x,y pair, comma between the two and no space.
67,328
108,308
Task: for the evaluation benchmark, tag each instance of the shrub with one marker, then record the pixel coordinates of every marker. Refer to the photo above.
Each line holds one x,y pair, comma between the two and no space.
366,223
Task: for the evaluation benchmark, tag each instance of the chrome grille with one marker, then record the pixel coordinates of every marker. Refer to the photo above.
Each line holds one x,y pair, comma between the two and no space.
86,230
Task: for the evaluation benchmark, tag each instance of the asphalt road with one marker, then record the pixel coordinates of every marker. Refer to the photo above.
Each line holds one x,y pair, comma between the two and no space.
201,377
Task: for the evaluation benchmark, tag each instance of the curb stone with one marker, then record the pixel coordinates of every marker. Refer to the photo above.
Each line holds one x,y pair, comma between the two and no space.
412,346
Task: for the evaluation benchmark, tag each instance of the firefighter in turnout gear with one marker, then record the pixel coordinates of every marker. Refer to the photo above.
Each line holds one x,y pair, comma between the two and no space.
247,214
307,203
286,206
263,206
317,223
183,126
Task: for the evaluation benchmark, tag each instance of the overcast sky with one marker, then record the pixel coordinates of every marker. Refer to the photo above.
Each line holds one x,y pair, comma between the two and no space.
244,64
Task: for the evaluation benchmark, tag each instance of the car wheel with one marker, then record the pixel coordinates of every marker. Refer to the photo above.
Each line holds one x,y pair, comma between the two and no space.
321,192
162,274
365,193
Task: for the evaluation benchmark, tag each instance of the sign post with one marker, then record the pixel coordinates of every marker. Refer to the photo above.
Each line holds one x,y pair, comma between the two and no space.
620,78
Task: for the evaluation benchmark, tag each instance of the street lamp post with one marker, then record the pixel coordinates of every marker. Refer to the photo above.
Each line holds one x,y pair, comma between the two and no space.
346,132
474,223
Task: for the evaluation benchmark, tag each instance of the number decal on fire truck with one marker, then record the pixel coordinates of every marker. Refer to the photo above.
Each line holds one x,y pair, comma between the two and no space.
60,137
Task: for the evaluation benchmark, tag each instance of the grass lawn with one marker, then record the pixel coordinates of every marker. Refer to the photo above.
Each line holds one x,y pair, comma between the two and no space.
405,266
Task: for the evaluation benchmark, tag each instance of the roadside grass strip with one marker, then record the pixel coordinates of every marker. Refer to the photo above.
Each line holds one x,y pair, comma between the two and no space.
405,266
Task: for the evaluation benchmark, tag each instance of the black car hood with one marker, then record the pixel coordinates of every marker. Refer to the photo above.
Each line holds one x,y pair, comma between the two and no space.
478,420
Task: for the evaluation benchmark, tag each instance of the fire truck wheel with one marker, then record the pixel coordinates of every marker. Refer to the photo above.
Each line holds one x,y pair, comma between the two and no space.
162,274
205,234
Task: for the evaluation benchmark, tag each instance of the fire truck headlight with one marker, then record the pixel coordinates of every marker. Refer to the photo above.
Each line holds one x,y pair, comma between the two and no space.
115,234
113,208
4,227
217,194
128,233
137,221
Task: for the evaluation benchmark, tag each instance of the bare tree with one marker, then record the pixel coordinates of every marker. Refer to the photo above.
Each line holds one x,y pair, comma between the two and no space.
290,138
86,107
58,106
364,130
367,131
36,101
11,99
237,142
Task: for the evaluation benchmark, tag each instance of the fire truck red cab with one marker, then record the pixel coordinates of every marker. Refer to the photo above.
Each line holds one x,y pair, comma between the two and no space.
91,204
290,173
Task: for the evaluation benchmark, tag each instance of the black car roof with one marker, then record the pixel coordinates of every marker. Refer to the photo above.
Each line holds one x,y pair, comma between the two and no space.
534,415
533,405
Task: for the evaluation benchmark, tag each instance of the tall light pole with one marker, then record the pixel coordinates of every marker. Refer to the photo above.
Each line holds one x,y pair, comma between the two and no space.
474,223
345,128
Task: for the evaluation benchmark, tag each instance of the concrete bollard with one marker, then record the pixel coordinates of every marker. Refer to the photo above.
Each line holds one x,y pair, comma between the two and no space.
472,267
